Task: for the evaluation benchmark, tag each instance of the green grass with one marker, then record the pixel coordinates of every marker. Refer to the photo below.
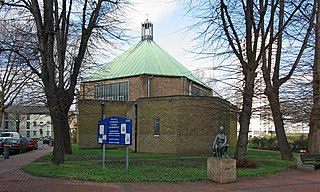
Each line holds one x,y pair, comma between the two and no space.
146,167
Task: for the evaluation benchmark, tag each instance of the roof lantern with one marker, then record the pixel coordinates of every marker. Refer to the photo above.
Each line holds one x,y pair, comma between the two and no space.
146,30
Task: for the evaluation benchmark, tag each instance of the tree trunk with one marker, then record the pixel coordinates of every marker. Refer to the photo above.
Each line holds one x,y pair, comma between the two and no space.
1,117
245,116
59,105
18,124
62,143
67,139
314,133
58,142
279,125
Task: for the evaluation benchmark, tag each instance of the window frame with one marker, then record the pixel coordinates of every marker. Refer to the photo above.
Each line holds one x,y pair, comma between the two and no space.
156,126
197,91
118,91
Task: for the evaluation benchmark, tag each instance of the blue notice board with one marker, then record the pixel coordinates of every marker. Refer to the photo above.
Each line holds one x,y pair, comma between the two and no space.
115,130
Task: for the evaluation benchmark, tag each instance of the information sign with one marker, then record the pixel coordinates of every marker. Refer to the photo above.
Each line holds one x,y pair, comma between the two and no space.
115,130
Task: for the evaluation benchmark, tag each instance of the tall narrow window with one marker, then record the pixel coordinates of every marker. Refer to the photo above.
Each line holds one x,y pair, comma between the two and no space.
156,126
28,125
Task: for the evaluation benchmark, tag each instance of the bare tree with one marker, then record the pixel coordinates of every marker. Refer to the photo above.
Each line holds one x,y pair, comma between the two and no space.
16,114
14,73
250,30
67,32
227,23
314,133
273,48
296,94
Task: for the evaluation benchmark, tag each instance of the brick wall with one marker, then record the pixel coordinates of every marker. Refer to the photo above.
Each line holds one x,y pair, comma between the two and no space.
138,86
148,109
90,113
187,124
165,86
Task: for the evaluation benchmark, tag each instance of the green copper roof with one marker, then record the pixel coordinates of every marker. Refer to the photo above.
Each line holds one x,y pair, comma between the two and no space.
146,57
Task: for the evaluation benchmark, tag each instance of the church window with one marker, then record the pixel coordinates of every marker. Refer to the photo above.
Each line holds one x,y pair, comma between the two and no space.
112,91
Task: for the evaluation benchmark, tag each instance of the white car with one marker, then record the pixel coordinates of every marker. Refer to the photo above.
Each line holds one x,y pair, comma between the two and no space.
4,135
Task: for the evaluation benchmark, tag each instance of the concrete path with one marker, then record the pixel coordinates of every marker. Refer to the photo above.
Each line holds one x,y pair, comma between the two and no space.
12,178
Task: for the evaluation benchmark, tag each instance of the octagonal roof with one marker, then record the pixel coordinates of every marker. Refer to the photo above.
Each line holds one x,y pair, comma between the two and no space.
144,58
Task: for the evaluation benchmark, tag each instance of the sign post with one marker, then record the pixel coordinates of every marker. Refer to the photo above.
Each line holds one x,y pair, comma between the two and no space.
127,158
116,131
103,155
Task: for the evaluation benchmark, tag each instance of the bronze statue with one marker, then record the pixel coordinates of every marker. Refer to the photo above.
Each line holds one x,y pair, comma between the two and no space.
220,146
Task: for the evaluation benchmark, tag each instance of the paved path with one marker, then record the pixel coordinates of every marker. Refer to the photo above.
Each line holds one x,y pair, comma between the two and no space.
12,178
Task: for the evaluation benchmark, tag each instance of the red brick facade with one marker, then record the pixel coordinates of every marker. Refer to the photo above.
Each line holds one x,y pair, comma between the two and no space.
138,86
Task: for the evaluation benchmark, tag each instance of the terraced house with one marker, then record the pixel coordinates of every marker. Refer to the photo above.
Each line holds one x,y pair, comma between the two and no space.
172,110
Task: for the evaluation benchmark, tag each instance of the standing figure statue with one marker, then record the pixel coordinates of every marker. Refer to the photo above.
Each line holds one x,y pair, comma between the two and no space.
220,146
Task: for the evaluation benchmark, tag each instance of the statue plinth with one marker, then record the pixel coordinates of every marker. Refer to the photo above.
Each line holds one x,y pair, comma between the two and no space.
221,170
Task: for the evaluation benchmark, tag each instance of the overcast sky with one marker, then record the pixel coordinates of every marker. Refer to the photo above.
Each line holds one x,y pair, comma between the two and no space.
169,23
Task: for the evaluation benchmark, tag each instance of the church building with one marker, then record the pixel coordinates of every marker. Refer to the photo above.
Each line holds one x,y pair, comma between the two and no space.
172,110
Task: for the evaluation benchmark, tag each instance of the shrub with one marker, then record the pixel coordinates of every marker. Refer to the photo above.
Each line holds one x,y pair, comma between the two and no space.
263,143
296,142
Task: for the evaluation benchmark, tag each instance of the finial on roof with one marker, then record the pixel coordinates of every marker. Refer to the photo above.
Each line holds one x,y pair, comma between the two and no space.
146,30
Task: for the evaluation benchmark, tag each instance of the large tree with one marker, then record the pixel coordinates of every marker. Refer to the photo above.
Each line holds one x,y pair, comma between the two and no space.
226,27
273,64
65,30
314,133
250,30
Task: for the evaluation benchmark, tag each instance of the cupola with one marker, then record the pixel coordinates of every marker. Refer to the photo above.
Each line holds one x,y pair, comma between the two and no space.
146,30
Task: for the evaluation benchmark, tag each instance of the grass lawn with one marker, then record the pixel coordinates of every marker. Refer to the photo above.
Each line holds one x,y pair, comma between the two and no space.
145,167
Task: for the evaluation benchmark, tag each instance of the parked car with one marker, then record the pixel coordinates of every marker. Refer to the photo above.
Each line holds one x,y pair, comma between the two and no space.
4,135
31,143
15,145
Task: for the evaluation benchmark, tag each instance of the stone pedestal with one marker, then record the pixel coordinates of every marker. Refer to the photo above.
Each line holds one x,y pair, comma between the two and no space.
221,170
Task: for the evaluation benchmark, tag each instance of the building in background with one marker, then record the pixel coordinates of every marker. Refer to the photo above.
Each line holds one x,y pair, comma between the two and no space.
73,125
29,121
